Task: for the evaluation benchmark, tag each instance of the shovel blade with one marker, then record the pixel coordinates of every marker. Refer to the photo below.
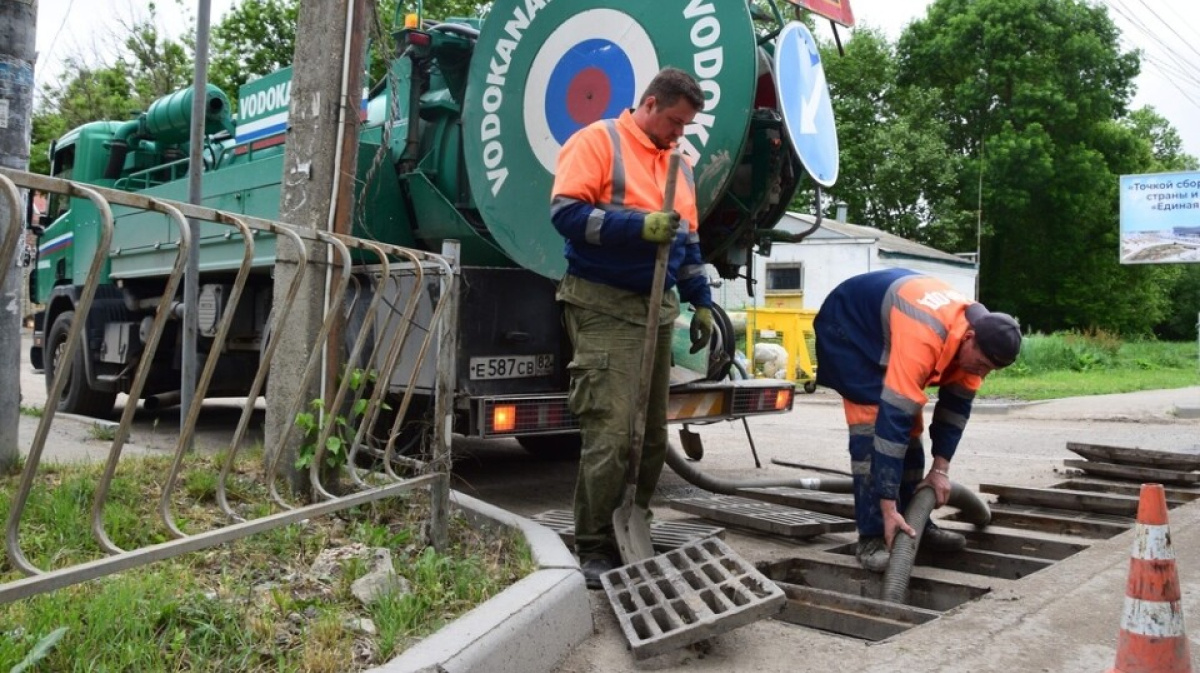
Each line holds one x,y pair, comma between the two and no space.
631,527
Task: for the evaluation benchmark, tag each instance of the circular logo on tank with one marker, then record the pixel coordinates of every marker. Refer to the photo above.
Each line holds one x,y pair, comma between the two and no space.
591,67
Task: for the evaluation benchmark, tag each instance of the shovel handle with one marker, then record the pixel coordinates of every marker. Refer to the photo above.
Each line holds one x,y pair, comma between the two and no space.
637,434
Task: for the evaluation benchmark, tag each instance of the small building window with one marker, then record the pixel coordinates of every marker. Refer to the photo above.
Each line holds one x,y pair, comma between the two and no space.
785,278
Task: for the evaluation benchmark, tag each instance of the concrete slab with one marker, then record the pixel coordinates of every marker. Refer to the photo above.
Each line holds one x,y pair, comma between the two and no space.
529,627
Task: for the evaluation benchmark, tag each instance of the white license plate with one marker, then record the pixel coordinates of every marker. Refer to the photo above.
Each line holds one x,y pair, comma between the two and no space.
511,367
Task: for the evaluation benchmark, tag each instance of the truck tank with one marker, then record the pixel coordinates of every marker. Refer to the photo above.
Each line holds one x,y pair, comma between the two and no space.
480,115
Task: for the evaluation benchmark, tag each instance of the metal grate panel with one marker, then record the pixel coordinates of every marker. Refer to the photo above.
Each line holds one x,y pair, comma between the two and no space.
684,596
665,535
762,516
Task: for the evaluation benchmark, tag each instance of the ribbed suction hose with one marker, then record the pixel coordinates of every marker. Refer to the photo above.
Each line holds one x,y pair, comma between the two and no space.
904,548
972,507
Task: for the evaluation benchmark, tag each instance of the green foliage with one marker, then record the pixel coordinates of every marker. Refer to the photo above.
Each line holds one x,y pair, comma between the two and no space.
337,445
253,39
245,606
1068,364
1031,93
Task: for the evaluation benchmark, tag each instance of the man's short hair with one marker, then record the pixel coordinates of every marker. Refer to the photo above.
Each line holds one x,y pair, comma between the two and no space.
671,84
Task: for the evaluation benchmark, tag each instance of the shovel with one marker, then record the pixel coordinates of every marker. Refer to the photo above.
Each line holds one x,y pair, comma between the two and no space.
631,525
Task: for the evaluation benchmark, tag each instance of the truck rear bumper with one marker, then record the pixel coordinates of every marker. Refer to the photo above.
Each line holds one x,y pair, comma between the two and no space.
521,415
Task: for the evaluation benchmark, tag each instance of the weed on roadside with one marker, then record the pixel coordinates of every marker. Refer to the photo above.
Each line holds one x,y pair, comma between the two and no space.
250,605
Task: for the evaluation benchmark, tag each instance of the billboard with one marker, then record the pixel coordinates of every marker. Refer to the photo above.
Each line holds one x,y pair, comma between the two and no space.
834,10
1160,218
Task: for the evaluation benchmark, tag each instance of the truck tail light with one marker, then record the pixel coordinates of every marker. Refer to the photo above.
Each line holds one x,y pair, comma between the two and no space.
504,417
783,399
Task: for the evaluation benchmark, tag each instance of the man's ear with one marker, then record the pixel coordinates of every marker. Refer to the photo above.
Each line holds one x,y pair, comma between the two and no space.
650,102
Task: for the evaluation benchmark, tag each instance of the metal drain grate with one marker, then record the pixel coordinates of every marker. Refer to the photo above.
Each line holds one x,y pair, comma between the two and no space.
687,595
665,535
837,504
762,516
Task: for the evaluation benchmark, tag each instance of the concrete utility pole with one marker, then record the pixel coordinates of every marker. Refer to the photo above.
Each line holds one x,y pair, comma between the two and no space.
18,31
317,193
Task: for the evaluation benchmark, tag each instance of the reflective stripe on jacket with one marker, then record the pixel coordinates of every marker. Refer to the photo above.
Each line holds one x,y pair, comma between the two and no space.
902,332
609,175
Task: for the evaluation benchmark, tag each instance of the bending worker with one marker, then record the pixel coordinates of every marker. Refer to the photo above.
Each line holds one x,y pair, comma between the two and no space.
882,339
607,204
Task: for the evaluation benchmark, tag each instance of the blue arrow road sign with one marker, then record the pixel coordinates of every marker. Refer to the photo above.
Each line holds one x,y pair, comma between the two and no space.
804,101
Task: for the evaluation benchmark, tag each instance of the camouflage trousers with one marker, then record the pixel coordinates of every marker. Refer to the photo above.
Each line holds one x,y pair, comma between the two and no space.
603,394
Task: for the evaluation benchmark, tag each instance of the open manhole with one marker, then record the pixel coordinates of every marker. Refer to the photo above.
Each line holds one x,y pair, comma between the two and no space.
845,600
992,554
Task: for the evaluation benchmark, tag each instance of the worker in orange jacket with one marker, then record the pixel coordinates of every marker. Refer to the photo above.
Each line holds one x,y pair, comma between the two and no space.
882,339
608,205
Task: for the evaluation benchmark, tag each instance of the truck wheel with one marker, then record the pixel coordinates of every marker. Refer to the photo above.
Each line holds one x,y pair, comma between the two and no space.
77,397
552,447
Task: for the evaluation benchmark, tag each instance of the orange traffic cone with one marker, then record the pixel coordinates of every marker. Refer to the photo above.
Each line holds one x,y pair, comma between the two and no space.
1152,638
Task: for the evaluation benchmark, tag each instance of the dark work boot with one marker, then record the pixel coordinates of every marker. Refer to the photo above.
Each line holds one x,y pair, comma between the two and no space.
938,539
593,568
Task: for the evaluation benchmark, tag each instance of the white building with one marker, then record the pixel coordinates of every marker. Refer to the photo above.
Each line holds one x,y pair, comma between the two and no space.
809,270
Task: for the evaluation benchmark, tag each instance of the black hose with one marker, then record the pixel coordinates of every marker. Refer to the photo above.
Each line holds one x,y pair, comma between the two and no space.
696,477
458,28
973,509
904,548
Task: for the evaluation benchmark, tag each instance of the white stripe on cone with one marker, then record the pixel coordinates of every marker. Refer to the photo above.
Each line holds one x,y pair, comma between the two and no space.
1153,543
1155,619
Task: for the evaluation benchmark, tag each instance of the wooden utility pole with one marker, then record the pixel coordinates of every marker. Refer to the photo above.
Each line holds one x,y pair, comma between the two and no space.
317,193
18,31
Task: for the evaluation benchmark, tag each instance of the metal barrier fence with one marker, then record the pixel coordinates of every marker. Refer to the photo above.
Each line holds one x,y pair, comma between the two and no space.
393,265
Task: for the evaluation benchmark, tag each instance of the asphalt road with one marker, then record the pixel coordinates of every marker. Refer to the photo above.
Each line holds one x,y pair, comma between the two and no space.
1020,445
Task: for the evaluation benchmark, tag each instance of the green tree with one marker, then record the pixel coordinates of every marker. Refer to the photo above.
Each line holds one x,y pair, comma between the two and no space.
253,39
894,161
1033,94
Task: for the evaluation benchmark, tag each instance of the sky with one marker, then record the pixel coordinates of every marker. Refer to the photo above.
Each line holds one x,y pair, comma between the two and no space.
1170,40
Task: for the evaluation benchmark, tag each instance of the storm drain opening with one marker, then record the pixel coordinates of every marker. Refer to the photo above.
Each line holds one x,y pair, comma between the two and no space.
664,535
687,595
845,600
991,553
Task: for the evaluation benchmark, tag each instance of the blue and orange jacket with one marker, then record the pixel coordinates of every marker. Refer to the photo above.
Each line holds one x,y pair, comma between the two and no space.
609,176
889,335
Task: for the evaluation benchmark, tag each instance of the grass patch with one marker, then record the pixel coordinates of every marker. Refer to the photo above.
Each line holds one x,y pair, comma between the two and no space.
1093,363
250,605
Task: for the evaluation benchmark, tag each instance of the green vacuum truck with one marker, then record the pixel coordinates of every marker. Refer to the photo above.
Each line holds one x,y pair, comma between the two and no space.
458,142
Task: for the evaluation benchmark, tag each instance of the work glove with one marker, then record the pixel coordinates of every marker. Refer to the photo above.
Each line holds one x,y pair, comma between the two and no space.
660,226
702,328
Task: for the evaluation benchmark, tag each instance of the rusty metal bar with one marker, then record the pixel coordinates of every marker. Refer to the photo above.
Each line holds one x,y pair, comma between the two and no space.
143,372
83,572
61,375
188,428
279,314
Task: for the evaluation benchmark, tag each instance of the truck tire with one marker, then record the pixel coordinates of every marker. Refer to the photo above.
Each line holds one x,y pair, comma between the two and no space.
77,397
552,447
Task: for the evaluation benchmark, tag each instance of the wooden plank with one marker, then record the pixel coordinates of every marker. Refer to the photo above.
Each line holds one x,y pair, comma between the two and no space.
837,504
1175,496
1134,473
1120,455
1057,498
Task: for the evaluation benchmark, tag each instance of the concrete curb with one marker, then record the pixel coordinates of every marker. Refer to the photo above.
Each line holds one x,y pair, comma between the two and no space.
527,628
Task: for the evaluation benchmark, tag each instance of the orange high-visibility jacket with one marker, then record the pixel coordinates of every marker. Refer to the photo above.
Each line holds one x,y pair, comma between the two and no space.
609,175
883,338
